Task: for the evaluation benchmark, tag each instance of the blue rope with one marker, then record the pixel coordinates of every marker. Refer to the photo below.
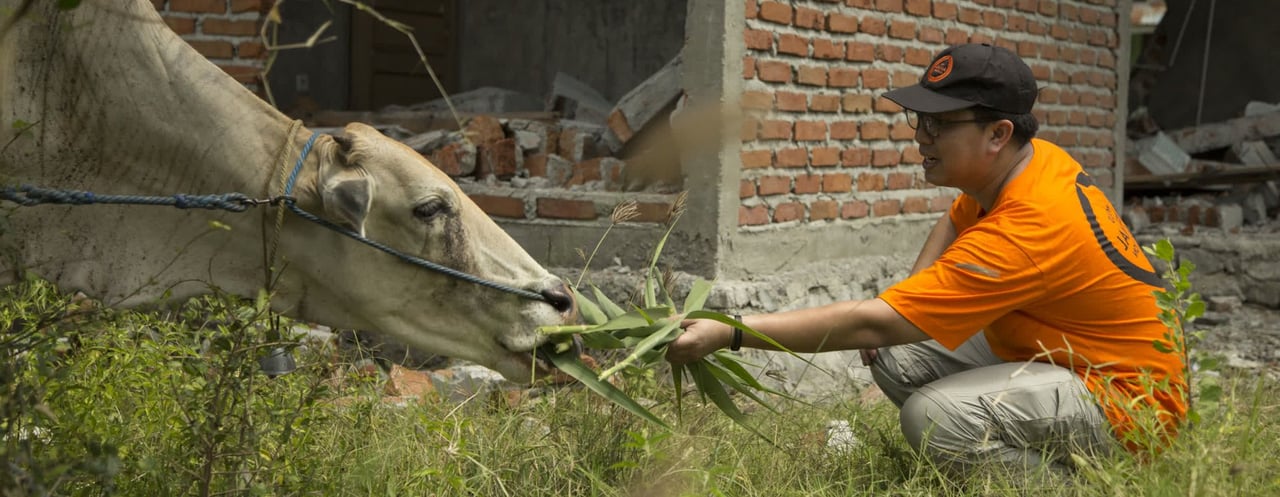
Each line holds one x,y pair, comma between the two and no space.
423,263
27,195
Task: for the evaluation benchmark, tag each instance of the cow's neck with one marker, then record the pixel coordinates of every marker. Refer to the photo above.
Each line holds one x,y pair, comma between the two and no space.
122,105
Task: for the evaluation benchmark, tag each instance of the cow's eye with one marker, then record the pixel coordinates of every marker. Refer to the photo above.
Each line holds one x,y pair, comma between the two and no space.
430,209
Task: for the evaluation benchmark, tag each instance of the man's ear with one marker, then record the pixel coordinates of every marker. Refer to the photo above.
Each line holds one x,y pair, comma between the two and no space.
345,189
1001,133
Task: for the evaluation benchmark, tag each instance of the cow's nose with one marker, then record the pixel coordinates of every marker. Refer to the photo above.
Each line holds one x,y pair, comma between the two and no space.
560,298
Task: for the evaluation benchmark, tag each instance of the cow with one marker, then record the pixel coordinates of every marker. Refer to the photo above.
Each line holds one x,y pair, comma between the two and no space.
105,98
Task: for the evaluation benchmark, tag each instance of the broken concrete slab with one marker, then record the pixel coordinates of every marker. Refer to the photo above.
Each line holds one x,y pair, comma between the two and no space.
426,142
1161,155
1223,134
574,99
646,101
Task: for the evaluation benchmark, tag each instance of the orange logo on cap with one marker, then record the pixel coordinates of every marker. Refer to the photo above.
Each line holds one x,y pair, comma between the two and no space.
940,69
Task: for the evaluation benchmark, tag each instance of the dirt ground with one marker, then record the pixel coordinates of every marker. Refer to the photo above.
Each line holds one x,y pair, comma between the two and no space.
1248,337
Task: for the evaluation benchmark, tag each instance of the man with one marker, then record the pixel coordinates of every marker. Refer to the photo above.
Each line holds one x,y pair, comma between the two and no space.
1026,329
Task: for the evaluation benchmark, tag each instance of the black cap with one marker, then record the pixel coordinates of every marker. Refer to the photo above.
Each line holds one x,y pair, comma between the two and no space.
964,76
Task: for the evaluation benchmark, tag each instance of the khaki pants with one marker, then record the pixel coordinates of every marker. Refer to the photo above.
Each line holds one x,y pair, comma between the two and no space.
968,408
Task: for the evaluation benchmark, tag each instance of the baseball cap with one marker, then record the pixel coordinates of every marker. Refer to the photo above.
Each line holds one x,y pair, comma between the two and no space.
968,75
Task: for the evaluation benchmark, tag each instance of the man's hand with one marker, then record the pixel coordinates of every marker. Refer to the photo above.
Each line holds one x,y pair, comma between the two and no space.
868,356
700,337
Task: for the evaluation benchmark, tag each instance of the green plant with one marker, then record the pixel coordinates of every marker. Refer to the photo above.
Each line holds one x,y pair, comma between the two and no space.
644,331
1179,308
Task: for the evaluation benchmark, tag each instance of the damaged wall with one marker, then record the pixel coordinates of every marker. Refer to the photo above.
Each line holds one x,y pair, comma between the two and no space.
611,45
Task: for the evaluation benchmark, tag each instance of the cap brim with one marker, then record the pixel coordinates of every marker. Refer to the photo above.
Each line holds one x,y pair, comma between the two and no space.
921,99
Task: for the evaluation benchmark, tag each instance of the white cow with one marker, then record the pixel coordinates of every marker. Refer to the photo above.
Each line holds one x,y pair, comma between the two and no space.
108,99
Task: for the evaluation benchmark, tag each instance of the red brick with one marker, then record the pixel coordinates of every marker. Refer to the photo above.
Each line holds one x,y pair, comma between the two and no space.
993,19
811,131
870,182
885,157
944,11
758,39
225,27
901,131
839,23
873,25
558,208
810,18
890,53
791,157
899,181
808,183
239,6
586,171
180,25
824,157
1028,49
844,130
827,49
776,12
970,16
755,159
206,6
915,205
652,212
886,106
774,185
821,210
957,36
842,77
753,216
499,159
792,101
875,79
1028,5
837,183
889,5
775,130
748,67
746,188
812,76
774,71
1069,12
790,211
1049,8
250,50
855,157
902,30
447,159
860,52
793,45
919,57
874,130
854,209
243,74
497,206
212,49
930,35
886,208
753,9
1016,23
911,155
750,129
824,103
856,103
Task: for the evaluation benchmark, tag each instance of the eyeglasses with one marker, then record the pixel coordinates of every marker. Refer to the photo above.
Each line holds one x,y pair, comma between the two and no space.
932,125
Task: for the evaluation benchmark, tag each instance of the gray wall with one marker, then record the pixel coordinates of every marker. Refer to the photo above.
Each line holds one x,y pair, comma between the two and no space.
612,45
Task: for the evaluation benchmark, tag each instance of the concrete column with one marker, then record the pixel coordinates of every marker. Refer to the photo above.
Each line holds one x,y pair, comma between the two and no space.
712,69
1124,30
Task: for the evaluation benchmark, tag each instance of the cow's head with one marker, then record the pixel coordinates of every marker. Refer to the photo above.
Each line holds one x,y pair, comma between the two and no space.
388,192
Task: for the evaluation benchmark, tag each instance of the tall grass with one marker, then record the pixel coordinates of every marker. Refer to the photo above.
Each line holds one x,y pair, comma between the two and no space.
105,402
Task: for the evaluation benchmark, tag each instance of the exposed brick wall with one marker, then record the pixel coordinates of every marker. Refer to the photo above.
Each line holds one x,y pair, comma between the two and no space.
224,31
824,147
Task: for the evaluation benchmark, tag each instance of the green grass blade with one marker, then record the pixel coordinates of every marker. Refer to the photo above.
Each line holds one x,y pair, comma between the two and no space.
650,298
611,309
697,295
569,363
727,378
666,292
601,340
731,364
677,379
566,329
590,311
715,316
638,318
667,333
711,388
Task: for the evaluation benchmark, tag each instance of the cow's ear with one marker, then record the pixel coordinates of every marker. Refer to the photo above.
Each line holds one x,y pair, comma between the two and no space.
347,198
346,190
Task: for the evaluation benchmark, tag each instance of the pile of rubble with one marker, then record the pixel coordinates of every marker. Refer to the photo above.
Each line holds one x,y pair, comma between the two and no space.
1229,168
573,139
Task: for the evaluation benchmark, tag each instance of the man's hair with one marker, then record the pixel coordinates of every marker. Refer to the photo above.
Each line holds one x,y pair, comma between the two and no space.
1025,126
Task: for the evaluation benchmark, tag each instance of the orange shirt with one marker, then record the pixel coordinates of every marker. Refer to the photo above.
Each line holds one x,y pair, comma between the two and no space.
1052,275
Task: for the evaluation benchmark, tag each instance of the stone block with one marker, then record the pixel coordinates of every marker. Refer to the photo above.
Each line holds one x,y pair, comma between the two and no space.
455,159
484,129
500,159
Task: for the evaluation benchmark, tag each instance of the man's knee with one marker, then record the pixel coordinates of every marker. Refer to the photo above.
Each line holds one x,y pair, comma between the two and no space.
940,428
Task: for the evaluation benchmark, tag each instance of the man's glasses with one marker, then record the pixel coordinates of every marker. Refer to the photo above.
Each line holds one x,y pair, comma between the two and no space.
931,124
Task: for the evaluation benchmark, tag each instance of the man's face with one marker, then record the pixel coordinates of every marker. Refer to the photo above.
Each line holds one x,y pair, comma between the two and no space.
955,148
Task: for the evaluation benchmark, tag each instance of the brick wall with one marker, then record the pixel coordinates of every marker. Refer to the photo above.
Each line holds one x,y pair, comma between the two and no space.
225,31
823,147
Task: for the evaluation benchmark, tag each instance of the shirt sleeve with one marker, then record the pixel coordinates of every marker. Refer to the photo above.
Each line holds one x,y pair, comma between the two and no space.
981,277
